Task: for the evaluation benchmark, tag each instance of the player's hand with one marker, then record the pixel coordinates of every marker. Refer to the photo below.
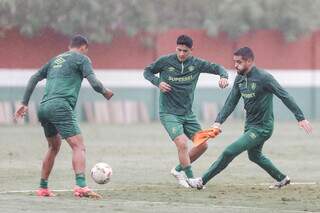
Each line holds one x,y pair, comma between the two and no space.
108,94
164,87
216,125
223,83
21,112
305,124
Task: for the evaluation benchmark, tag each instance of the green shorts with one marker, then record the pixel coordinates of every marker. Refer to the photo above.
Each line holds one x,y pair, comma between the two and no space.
57,116
180,124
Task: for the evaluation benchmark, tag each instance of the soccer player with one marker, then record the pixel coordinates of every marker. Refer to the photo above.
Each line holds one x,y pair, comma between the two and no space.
256,87
178,76
64,74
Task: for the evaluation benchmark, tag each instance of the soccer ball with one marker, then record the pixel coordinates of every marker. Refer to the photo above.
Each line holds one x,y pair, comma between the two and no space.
101,173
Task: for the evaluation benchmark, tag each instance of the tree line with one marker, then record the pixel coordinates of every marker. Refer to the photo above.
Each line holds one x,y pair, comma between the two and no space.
100,20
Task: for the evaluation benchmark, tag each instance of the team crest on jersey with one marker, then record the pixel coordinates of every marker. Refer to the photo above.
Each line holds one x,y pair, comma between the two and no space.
253,86
171,69
191,68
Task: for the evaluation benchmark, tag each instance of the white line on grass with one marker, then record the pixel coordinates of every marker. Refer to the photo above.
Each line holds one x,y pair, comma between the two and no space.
266,184
210,206
188,205
32,191
69,190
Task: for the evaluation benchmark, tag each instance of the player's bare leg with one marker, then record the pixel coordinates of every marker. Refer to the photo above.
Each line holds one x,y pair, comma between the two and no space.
182,147
196,152
54,144
79,164
78,153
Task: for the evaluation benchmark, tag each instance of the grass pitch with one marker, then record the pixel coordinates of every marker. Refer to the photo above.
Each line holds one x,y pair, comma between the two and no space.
141,157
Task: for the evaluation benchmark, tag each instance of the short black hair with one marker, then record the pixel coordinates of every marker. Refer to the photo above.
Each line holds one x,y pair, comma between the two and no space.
78,40
185,40
245,52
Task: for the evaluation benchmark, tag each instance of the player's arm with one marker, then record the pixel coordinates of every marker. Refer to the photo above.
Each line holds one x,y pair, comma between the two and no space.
32,83
216,69
87,72
98,86
150,74
229,105
272,85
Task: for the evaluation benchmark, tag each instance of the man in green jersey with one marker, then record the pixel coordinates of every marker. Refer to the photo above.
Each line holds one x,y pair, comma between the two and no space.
256,87
64,74
178,76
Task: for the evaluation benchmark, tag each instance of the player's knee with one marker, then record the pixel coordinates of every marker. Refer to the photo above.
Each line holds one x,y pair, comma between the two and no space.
54,148
80,147
77,146
76,143
182,147
181,143
254,157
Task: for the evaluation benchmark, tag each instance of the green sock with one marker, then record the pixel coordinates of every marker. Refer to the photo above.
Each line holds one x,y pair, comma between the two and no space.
188,171
43,183
81,180
179,168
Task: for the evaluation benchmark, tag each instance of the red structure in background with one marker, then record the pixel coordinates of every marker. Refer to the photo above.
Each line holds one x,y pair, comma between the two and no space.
272,51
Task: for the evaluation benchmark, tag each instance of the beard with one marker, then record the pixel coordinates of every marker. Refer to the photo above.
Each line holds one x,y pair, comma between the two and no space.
241,71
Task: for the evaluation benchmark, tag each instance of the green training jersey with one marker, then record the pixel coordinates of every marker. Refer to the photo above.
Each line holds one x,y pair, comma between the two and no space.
182,77
64,74
257,88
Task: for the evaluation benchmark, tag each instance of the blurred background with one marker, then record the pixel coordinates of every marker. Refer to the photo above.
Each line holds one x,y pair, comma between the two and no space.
127,35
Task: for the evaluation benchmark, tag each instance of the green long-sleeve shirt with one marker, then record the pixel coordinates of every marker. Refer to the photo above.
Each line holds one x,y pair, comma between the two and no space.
182,77
64,74
257,88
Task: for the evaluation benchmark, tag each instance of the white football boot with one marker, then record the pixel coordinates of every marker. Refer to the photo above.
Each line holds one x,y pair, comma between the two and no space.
195,183
181,178
280,184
